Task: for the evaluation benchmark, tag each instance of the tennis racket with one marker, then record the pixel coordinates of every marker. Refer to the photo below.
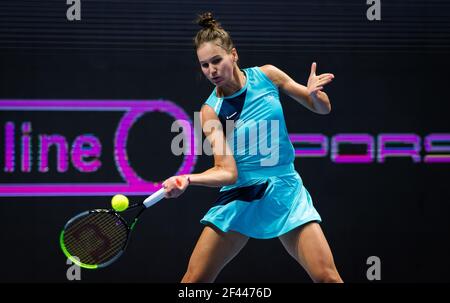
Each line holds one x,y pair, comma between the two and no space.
97,238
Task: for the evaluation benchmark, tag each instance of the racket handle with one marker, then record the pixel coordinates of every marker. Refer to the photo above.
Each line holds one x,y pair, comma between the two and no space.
154,198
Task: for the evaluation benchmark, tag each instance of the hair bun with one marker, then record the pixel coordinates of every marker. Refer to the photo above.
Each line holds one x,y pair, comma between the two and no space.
206,20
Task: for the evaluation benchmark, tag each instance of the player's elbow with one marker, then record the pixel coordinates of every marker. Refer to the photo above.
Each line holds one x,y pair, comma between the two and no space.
326,111
227,174
323,110
232,175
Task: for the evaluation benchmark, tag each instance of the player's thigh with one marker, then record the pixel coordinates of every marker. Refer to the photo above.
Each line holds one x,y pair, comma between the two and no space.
214,249
308,245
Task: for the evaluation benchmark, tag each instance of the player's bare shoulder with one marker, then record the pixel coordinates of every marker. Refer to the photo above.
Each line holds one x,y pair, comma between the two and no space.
209,120
273,73
207,113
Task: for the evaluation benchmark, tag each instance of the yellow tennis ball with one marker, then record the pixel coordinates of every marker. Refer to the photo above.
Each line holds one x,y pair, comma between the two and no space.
119,202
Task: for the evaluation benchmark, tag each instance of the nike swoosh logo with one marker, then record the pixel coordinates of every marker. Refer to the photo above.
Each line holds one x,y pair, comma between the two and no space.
228,117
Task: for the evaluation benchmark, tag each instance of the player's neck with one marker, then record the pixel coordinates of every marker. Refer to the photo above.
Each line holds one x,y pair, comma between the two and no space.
237,83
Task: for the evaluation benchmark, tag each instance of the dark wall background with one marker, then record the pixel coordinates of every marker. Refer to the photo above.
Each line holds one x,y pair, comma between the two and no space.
391,77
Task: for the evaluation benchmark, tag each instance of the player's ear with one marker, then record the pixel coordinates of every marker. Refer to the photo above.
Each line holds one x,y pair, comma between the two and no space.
234,54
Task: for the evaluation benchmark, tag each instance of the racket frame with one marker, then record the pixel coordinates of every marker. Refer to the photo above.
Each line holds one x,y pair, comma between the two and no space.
149,201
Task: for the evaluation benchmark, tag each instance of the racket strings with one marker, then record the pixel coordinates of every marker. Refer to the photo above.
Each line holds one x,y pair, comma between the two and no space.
88,243
103,221
93,238
96,237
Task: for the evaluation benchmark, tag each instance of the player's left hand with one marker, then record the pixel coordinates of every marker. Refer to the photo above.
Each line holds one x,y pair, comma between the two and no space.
175,186
316,82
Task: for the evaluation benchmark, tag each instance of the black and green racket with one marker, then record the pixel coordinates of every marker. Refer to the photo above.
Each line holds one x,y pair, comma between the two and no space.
96,238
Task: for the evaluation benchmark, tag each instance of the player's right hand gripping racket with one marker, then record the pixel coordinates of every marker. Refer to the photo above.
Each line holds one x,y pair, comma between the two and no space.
96,238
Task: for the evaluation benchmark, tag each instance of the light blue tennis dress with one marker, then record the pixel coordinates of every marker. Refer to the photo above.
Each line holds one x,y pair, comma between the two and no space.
269,198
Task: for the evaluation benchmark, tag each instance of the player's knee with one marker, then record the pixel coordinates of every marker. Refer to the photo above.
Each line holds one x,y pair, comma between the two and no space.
327,275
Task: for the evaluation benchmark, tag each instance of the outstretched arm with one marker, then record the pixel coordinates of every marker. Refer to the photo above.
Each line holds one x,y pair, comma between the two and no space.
224,172
310,96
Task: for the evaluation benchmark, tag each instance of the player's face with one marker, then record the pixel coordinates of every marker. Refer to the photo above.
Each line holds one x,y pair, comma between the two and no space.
216,63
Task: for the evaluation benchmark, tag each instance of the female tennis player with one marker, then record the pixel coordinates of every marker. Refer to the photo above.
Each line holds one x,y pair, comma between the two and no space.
262,196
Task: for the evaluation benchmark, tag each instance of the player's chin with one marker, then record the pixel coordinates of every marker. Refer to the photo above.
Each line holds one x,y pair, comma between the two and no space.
218,82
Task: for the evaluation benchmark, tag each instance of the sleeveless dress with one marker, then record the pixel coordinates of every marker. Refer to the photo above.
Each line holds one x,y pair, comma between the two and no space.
268,198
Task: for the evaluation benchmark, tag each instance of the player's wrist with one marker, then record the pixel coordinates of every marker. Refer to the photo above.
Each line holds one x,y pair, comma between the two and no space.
188,179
